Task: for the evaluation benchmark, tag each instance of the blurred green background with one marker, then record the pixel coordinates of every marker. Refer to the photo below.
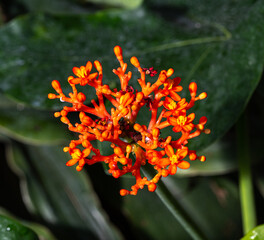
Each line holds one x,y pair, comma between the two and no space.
218,44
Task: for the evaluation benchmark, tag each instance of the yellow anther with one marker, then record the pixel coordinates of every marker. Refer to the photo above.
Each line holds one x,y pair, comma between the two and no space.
181,120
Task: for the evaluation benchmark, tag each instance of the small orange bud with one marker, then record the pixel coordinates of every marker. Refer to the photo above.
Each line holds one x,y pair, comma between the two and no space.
134,61
64,113
52,96
207,131
57,114
81,97
98,66
128,148
156,132
139,96
202,95
152,187
65,120
118,52
66,149
72,145
193,88
124,192
164,172
118,151
137,127
170,72
79,168
123,161
56,85
192,155
202,158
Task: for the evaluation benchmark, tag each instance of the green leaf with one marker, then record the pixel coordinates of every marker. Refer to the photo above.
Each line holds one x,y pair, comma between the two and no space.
203,199
255,234
13,230
42,232
60,195
217,45
260,184
56,7
118,3
30,125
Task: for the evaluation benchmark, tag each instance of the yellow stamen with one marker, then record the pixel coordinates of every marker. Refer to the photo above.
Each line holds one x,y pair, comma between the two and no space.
174,159
181,120
172,105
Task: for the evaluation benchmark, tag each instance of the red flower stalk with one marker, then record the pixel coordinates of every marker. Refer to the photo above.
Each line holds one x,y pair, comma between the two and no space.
119,127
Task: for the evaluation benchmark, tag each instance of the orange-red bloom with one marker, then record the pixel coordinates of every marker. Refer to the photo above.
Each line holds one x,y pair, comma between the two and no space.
119,125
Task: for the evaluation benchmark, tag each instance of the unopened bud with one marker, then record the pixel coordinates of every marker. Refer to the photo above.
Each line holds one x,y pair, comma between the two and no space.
81,97
134,61
56,85
98,66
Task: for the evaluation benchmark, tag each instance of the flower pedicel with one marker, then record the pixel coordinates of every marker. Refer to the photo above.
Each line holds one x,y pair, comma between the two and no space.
119,127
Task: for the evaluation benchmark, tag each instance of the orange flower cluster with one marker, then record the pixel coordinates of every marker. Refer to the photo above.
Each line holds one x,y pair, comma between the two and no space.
119,126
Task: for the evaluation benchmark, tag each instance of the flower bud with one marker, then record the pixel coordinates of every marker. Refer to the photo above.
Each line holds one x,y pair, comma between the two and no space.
193,88
56,85
52,96
134,61
152,187
118,52
81,97
98,66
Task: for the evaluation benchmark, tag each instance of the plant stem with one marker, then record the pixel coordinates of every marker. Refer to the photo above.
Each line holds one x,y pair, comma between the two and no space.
175,207
245,178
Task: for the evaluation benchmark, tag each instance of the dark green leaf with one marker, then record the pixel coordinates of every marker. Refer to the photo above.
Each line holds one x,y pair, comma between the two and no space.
255,234
59,194
260,183
30,125
218,45
13,230
203,199
57,7
118,3
42,232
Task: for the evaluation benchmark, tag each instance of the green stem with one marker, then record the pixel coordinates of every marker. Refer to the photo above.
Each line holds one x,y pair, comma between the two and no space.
175,207
245,178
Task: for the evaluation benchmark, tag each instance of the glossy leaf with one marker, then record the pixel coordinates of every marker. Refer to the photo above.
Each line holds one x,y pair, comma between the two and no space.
203,199
30,125
224,56
13,230
118,3
255,234
56,7
60,195
42,232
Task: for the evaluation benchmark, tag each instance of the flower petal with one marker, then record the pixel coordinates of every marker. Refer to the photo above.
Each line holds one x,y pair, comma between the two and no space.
183,165
169,150
175,96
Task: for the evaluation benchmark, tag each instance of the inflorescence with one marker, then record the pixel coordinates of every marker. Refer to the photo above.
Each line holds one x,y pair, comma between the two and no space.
133,145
